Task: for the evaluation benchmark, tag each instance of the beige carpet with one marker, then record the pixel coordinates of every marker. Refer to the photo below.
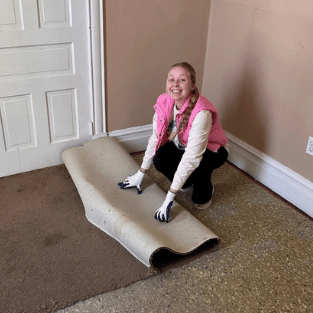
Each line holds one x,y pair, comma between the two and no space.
50,255
96,167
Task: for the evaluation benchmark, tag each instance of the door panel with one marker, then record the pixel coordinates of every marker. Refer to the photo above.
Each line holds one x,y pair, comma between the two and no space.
63,115
55,13
45,81
11,15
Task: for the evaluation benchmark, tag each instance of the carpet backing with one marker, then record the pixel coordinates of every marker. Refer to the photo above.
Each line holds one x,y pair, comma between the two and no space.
96,167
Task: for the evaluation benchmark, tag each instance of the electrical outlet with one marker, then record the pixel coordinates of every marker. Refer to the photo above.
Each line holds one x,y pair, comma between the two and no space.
309,148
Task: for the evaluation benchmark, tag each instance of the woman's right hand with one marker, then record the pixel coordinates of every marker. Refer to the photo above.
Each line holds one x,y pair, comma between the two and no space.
133,181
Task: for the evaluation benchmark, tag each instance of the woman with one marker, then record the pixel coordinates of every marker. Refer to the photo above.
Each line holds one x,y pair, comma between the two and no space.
187,143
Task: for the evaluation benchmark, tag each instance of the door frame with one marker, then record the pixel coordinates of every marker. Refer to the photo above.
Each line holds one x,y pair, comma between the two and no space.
97,49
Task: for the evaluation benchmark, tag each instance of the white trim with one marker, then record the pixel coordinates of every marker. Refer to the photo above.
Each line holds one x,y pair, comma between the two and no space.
98,67
133,139
288,184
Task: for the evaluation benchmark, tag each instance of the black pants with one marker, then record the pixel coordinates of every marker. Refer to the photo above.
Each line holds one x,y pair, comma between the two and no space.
166,161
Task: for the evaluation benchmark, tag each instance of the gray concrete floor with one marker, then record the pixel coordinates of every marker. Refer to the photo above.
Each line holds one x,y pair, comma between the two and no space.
183,289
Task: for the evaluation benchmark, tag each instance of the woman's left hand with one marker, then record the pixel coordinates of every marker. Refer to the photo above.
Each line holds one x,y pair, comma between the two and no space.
163,213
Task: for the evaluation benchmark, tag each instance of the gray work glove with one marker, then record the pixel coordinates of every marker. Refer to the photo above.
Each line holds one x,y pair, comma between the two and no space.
133,181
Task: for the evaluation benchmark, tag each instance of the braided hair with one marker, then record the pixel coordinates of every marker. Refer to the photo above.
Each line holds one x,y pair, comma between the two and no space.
193,100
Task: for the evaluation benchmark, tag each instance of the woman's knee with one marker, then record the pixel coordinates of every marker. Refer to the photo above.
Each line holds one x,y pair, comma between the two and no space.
213,160
160,159
166,159
158,163
222,157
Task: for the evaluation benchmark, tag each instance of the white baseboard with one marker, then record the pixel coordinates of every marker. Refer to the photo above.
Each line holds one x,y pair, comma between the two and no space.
133,139
271,173
274,175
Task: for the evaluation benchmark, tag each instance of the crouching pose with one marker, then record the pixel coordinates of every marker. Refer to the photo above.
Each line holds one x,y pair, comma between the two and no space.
187,143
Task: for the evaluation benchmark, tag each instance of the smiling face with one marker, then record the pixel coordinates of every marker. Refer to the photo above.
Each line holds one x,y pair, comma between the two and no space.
179,85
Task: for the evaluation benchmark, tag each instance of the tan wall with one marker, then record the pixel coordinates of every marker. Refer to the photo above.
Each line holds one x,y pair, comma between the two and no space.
143,39
259,75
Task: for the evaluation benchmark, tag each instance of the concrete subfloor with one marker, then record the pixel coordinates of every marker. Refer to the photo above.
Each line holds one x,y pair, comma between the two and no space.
217,282
264,262
183,289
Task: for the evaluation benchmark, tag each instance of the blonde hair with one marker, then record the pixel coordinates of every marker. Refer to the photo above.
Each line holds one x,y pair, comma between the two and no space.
193,100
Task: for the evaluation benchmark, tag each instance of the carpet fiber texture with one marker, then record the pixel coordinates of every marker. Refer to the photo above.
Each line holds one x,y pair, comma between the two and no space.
50,255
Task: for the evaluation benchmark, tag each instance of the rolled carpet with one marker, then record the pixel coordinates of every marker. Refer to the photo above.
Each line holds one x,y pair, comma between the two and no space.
96,167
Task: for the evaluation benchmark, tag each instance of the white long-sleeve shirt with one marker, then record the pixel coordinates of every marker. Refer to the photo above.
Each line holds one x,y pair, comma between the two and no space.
196,146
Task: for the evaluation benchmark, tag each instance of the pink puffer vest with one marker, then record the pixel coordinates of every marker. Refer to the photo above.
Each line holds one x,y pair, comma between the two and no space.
164,108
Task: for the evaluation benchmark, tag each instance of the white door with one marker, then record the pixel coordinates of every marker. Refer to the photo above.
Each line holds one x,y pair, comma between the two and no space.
45,81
